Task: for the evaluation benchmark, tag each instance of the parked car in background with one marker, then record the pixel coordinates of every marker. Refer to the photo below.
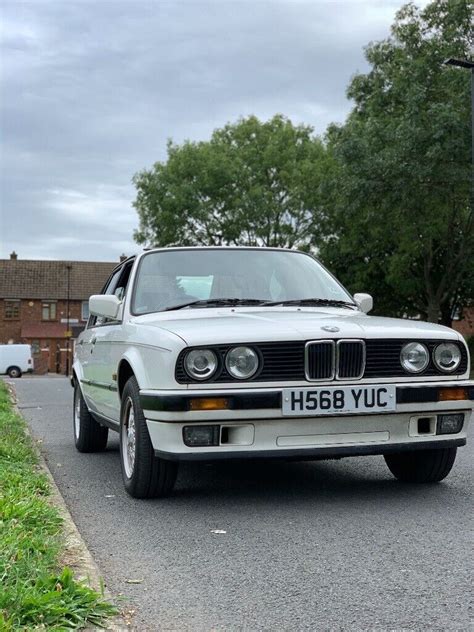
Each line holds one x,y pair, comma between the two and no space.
15,360
225,353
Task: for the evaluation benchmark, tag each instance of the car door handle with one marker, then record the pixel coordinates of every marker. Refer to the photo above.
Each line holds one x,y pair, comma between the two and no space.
81,342
93,340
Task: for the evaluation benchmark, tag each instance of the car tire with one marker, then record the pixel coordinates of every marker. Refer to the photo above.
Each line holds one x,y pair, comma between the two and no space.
144,474
89,436
14,371
421,466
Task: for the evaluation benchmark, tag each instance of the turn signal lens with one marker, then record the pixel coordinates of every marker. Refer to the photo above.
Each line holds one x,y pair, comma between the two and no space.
452,394
209,403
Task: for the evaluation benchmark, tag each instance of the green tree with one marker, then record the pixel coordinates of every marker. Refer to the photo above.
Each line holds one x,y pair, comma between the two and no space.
401,225
252,183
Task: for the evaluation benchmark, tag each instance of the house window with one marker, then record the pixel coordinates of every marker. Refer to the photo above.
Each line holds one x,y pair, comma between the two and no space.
12,309
48,310
85,310
35,347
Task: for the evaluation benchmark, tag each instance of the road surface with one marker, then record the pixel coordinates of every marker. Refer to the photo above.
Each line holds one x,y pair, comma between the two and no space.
335,545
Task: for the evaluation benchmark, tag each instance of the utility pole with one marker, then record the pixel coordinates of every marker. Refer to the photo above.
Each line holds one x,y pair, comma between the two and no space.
68,333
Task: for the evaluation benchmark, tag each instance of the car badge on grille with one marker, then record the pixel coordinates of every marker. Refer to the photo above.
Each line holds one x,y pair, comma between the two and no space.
329,328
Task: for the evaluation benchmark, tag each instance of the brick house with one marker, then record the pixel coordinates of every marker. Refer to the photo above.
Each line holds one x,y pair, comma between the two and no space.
465,324
34,299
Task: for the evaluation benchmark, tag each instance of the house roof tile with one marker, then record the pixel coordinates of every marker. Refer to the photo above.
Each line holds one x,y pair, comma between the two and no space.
26,278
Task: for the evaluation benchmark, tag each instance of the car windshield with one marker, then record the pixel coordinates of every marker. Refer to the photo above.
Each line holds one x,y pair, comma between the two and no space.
172,279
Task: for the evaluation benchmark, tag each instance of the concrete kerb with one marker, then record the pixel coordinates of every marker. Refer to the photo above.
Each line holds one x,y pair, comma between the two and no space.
76,555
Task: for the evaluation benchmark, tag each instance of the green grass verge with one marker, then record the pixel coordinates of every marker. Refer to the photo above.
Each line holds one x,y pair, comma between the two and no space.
35,593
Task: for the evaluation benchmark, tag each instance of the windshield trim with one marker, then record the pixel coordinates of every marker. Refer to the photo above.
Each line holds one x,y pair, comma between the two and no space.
200,248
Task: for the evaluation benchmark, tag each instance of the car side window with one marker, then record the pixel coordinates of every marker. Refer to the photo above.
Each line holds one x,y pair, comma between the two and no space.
122,283
109,288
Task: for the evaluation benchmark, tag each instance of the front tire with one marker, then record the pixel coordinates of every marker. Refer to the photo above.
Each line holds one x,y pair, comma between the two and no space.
14,371
144,475
421,466
89,436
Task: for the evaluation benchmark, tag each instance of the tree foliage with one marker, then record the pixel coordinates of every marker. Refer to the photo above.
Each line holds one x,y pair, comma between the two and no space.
401,221
385,199
252,183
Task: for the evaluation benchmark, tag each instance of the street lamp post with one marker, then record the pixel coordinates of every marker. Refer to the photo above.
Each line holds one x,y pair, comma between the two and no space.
68,338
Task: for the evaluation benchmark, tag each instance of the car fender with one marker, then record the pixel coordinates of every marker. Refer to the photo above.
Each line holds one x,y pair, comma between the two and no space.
153,367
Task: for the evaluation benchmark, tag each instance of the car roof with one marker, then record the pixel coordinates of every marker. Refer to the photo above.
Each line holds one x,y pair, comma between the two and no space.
271,248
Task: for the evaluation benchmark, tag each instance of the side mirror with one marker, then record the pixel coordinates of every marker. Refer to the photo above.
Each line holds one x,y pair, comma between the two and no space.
106,305
364,301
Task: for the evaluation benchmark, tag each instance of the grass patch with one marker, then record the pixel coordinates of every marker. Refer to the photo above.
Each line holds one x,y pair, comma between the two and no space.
34,591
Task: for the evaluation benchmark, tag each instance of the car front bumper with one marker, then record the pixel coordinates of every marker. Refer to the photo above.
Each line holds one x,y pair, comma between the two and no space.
254,426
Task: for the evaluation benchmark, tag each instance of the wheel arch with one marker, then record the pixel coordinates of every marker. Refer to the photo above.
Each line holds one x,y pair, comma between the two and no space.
77,373
150,366
76,381
124,373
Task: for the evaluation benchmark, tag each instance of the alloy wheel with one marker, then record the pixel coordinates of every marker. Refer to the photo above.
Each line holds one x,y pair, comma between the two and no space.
129,438
77,414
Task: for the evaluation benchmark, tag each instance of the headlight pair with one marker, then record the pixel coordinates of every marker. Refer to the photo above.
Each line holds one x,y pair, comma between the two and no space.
241,363
415,357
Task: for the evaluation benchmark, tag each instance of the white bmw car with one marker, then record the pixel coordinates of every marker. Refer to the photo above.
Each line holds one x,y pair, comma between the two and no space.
237,353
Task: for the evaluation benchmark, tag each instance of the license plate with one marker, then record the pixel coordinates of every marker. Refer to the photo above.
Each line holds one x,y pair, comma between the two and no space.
339,400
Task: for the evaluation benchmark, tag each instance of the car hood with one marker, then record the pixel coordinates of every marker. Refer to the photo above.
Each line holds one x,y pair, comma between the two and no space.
234,325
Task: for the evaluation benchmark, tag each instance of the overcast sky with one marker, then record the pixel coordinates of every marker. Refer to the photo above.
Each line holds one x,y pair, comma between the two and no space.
91,91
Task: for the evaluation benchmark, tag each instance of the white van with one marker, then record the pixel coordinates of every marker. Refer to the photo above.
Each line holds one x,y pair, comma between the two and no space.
15,360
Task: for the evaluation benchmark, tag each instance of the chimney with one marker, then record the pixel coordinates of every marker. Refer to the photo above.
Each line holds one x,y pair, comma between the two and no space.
122,257
13,256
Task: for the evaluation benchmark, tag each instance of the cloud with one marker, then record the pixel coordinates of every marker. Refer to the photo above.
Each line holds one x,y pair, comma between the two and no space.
92,91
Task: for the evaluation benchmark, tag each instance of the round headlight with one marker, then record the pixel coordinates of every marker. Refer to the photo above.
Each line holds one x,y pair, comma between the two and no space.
414,357
242,362
200,364
447,356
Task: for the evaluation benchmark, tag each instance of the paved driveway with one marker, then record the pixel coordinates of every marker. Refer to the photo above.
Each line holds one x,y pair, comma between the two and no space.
335,545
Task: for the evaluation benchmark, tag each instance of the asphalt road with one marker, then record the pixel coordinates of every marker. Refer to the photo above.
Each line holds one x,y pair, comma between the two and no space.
336,545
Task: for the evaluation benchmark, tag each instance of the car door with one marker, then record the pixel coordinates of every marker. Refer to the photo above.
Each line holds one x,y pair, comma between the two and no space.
105,354
97,379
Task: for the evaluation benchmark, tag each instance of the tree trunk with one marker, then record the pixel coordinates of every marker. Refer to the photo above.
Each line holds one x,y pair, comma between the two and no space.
446,314
433,312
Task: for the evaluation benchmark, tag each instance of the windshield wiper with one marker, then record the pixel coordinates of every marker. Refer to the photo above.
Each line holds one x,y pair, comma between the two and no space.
327,302
234,302
217,302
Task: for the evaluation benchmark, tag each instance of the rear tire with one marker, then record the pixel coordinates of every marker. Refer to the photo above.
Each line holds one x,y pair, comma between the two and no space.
144,474
14,371
421,466
89,436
